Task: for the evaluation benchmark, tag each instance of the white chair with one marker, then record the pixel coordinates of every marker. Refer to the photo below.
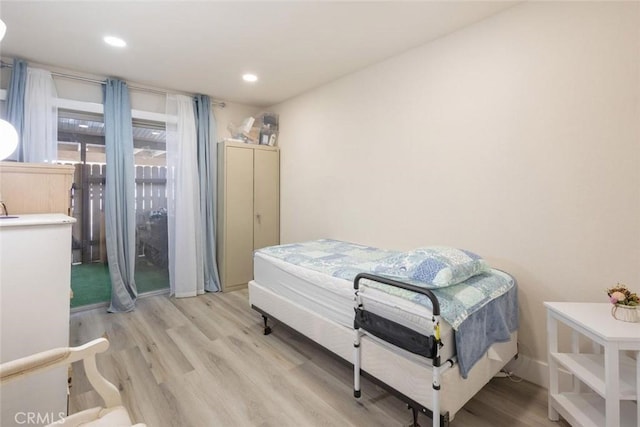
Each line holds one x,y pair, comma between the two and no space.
113,414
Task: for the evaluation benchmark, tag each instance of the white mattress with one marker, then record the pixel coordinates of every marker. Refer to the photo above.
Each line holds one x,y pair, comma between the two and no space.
333,298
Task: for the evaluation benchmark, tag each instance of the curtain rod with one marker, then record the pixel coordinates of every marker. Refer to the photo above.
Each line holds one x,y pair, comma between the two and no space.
3,64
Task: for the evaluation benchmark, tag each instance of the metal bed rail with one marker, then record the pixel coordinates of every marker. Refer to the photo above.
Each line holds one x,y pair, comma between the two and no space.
424,345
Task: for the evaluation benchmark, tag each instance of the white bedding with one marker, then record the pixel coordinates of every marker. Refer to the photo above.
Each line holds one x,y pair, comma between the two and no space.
333,298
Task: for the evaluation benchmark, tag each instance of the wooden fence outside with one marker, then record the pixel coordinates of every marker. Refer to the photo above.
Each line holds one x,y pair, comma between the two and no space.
88,208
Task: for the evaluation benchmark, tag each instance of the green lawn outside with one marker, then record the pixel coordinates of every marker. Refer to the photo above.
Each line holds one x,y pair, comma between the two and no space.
91,283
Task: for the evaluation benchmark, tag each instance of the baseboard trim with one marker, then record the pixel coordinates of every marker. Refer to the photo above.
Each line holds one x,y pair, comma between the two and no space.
88,307
154,293
537,372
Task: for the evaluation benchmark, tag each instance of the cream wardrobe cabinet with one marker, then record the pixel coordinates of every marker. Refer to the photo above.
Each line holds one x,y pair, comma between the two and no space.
248,208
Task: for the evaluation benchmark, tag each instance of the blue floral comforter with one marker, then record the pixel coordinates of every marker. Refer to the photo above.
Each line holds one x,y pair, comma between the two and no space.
482,310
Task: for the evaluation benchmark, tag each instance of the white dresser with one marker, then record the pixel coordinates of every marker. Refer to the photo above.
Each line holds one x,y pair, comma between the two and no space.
35,278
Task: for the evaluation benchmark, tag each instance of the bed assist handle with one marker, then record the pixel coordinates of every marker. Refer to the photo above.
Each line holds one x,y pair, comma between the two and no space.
426,292
435,310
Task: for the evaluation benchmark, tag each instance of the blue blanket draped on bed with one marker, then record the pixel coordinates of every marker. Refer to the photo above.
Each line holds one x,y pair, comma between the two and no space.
490,324
482,310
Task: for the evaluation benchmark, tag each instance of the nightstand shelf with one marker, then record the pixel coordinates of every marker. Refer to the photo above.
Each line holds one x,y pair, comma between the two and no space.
589,368
588,409
606,382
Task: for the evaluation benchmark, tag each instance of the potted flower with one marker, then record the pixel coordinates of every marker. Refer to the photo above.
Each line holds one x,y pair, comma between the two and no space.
625,303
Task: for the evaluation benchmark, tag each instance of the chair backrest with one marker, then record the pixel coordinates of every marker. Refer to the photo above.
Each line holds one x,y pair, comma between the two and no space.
45,360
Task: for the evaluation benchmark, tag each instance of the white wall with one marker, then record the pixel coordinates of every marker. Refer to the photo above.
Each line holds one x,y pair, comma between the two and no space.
517,138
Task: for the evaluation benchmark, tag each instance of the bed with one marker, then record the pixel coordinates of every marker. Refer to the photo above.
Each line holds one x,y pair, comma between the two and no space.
310,287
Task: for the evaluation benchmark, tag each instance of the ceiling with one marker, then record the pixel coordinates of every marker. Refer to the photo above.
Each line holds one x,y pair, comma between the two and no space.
205,46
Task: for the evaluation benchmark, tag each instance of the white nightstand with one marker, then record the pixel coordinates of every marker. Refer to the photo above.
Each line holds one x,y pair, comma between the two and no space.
612,379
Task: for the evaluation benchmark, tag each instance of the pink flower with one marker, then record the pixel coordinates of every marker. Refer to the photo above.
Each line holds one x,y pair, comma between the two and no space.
617,297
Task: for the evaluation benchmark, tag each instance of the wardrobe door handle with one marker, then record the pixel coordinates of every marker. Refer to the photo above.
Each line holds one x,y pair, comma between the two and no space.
258,217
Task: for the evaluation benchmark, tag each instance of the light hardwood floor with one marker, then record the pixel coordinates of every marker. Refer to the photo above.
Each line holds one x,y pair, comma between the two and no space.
203,361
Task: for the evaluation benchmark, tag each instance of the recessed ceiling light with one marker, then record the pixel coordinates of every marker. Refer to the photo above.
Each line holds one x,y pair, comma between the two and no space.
155,132
250,78
83,126
114,41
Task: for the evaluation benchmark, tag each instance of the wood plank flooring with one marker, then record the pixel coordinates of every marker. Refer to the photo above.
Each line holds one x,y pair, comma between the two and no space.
203,361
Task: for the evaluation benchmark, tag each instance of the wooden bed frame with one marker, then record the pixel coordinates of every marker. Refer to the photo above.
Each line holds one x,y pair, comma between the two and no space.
406,375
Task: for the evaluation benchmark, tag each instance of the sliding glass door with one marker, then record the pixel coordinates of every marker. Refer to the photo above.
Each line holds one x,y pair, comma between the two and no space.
81,143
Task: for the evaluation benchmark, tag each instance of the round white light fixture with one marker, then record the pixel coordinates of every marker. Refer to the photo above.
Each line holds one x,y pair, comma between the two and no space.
8,139
3,29
249,78
8,134
114,41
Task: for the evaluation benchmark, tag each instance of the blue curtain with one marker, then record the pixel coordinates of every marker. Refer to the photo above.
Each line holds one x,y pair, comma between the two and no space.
119,195
15,103
207,162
